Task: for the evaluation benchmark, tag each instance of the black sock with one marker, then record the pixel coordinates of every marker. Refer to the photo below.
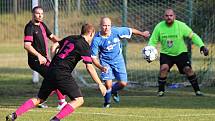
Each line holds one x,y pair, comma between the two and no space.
194,83
161,84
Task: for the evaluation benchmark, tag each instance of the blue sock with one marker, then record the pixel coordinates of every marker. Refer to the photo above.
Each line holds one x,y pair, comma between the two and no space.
116,87
108,96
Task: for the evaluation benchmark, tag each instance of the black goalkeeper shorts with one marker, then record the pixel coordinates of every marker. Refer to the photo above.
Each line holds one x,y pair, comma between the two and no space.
181,61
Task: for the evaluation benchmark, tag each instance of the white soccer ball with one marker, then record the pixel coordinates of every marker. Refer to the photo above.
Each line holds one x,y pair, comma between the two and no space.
149,53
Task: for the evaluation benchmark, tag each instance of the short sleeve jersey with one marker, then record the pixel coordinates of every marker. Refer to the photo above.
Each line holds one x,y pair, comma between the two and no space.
72,50
38,36
171,38
109,48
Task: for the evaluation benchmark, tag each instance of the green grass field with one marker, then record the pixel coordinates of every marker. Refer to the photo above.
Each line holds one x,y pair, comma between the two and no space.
135,105
139,104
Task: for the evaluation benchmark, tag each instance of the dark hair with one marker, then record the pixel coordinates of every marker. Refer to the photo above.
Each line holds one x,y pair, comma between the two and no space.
87,28
36,7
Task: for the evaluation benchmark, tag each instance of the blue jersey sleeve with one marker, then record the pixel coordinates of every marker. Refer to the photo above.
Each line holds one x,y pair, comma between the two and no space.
124,32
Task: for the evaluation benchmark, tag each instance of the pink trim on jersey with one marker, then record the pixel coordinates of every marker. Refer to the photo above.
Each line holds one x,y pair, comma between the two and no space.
86,58
29,38
45,38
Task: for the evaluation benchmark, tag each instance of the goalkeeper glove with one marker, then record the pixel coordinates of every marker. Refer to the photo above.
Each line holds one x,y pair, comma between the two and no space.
204,50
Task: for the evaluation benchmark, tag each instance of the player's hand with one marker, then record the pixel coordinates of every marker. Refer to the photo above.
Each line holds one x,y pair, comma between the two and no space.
204,50
146,34
104,69
42,59
102,89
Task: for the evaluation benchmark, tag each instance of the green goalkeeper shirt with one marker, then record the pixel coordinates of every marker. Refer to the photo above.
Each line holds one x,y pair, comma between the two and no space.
172,37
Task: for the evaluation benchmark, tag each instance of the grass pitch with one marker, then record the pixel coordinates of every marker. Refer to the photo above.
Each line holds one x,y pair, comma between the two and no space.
136,105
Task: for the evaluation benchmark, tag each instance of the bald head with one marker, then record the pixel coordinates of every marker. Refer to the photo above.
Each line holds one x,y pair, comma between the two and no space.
105,25
169,16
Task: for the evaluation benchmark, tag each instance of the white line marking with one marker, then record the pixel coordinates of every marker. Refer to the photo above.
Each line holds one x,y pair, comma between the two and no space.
118,115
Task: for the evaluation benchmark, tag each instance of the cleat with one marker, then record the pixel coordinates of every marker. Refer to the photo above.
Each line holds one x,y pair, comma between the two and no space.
59,107
160,93
198,93
55,119
11,117
116,97
106,105
43,105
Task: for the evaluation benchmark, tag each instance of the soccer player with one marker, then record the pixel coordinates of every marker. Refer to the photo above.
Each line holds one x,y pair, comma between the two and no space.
106,45
36,44
71,50
170,33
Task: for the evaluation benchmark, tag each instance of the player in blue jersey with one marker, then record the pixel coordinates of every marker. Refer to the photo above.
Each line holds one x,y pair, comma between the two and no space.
106,45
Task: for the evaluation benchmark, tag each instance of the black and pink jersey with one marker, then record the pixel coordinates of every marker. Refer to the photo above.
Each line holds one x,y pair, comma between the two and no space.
38,36
72,50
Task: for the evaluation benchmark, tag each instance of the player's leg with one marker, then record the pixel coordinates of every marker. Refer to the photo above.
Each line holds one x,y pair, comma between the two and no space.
69,108
61,99
42,70
107,78
43,94
107,97
165,66
119,71
184,66
27,105
71,89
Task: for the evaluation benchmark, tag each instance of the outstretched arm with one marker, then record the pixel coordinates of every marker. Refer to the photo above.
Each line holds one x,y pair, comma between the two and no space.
145,34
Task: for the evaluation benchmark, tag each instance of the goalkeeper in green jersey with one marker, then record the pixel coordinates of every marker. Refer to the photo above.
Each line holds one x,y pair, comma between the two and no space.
170,33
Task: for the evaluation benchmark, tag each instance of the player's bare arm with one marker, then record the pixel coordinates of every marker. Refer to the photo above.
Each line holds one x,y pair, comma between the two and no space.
98,65
91,70
145,34
54,38
54,49
28,47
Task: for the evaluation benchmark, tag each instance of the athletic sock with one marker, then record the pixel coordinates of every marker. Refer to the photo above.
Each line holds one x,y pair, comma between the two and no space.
60,102
66,110
107,97
116,87
161,84
60,95
194,83
25,107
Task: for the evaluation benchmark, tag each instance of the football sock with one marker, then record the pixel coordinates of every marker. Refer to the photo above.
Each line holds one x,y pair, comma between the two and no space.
116,87
66,110
194,83
60,95
161,84
25,107
108,96
52,93
60,102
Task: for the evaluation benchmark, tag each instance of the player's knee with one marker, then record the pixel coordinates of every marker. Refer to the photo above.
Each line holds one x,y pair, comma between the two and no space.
80,100
123,84
164,69
188,71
